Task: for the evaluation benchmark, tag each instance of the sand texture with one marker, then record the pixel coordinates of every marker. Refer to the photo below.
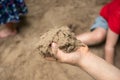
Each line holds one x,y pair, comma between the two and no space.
65,39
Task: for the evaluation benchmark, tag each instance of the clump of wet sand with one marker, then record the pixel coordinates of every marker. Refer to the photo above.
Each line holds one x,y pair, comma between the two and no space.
63,36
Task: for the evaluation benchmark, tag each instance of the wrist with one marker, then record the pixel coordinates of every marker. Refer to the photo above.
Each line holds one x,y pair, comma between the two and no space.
83,58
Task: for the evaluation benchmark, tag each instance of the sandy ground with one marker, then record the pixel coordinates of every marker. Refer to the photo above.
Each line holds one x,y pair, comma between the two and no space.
18,58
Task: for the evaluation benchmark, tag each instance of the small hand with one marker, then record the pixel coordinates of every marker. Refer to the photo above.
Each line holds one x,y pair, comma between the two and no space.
70,58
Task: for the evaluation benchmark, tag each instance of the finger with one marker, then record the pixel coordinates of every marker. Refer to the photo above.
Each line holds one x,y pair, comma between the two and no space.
54,48
83,49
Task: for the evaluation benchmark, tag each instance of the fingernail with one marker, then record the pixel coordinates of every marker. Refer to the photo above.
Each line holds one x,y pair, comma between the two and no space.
53,45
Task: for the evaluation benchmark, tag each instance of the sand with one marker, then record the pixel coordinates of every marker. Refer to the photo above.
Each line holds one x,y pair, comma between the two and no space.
64,38
19,57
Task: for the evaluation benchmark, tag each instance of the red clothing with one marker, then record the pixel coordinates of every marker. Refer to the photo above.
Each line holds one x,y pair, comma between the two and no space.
111,12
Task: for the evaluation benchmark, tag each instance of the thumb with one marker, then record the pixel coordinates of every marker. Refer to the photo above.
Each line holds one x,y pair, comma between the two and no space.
54,48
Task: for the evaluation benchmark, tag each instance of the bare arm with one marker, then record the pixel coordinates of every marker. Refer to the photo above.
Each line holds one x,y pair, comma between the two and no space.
94,65
99,68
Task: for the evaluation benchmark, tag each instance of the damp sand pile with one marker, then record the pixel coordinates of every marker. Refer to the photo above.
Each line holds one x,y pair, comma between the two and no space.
63,36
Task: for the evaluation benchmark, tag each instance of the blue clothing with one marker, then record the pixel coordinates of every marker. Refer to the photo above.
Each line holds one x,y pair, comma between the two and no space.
100,22
10,10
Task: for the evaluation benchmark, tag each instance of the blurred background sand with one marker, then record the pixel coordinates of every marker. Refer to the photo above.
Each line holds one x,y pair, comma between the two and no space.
18,58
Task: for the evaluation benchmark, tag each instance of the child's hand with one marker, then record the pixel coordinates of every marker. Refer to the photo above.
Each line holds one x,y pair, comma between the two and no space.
70,58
